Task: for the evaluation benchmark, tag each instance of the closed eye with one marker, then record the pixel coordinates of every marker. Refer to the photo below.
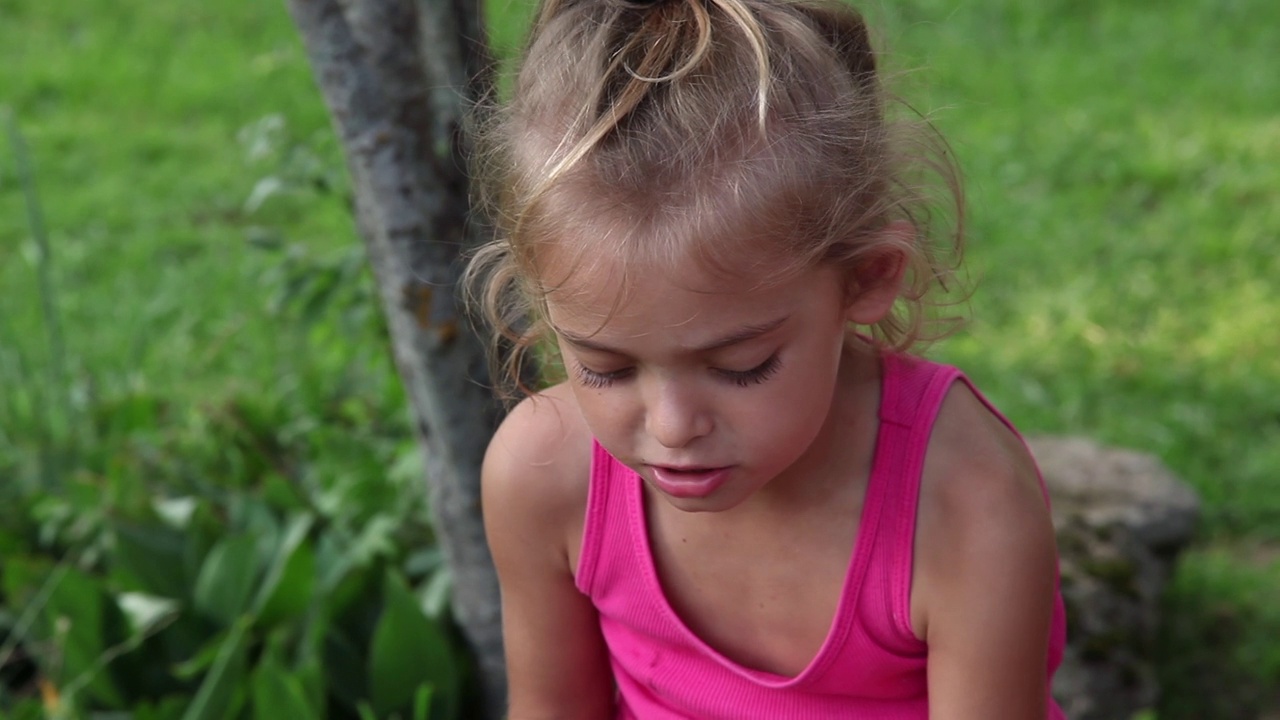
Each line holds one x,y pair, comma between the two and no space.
754,376
743,378
597,380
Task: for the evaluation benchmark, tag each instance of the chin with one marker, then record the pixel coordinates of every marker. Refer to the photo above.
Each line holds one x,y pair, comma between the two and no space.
697,505
716,502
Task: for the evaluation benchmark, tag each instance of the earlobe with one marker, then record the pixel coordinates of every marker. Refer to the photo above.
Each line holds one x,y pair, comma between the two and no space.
877,282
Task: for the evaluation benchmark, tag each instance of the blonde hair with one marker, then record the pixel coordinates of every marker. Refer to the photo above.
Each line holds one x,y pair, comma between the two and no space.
652,131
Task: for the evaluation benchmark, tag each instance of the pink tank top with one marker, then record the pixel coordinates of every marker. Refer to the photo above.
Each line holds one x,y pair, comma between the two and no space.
871,666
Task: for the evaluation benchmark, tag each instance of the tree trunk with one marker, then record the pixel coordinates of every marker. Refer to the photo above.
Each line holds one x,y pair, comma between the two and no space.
397,76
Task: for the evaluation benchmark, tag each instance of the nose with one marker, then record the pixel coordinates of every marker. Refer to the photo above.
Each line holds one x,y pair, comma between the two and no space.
674,416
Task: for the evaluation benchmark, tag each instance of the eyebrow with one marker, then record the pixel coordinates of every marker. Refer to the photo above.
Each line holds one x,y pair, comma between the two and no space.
743,334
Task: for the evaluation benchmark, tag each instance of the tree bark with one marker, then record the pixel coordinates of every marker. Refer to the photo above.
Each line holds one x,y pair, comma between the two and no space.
397,76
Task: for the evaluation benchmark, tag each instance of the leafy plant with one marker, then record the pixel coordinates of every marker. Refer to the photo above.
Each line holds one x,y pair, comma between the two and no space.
246,558
209,608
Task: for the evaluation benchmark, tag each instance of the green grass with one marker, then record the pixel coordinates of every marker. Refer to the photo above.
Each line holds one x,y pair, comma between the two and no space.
1124,176
1123,184
132,111
1123,167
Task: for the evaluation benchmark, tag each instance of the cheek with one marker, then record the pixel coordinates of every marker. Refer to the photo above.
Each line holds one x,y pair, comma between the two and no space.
607,413
806,390
797,399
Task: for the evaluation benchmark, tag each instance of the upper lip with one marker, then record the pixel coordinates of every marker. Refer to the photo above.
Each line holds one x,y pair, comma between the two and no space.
688,468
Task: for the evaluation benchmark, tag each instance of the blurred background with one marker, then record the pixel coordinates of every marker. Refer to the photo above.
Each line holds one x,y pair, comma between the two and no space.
210,497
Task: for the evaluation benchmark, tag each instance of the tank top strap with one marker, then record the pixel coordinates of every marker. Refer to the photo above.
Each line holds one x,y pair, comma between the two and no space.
913,391
600,525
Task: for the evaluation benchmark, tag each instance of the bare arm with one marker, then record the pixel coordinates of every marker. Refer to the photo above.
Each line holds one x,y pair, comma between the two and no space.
534,482
986,570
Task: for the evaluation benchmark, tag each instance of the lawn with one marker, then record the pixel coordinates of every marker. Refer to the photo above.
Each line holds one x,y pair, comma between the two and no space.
1123,176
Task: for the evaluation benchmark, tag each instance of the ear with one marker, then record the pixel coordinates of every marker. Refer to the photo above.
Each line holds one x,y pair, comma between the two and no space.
877,282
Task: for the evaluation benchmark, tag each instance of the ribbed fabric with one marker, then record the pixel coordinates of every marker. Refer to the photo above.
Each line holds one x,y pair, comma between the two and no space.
871,666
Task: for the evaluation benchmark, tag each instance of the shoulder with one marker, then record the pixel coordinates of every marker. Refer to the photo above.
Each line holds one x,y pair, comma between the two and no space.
543,442
985,577
976,465
983,524
534,483
536,473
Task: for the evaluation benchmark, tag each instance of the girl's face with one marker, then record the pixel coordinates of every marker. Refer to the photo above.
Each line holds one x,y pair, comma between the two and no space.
709,388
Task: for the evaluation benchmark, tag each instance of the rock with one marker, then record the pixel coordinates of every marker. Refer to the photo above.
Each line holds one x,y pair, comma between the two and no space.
1121,519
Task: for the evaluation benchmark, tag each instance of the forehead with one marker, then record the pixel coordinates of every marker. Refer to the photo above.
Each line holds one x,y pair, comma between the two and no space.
728,223
612,301
605,251
630,264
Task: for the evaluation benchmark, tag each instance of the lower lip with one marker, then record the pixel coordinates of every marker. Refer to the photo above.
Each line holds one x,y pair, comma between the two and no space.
689,484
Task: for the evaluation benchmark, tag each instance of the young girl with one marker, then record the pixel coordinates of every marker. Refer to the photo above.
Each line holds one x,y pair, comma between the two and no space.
746,500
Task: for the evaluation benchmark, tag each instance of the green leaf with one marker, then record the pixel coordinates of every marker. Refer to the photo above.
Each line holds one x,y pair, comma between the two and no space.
78,621
339,579
202,659
377,539
277,695
281,493
26,710
310,676
24,578
215,700
408,652
422,702
435,593
345,668
204,529
295,591
169,708
288,585
227,578
148,558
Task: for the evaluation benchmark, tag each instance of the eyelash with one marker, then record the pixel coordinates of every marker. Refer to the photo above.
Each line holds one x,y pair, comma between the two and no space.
756,375
741,378
597,380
